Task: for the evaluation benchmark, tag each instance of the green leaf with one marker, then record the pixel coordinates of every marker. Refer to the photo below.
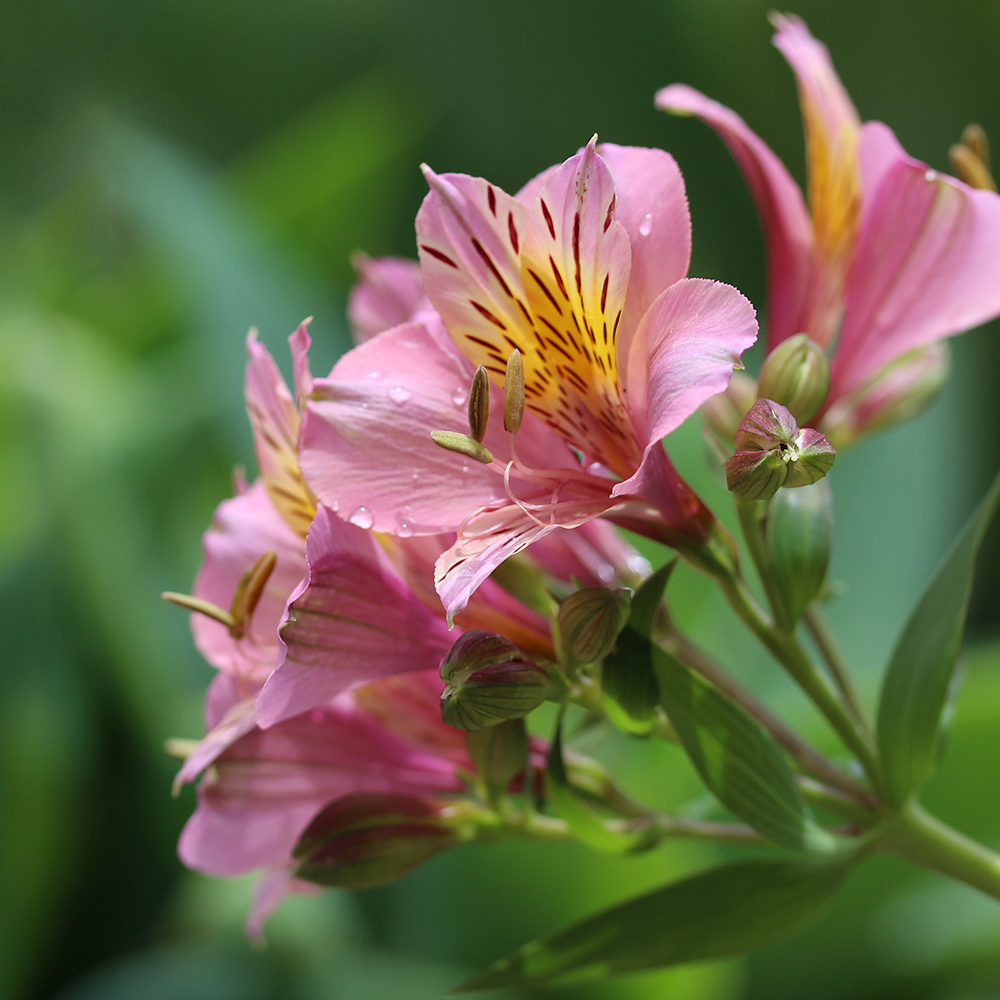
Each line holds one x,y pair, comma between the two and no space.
799,535
920,673
586,824
724,911
736,759
628,679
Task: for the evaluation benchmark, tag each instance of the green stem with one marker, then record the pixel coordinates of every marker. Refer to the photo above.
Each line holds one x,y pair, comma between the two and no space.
750,512
807,756
539,827
921,838
787,650
816,622
835,801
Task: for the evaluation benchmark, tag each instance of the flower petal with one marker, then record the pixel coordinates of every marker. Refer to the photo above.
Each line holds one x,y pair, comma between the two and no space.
927,263
388,292
270,783
338,633
685,350
243,528
786,223
299,343
652,206
272,888
275,423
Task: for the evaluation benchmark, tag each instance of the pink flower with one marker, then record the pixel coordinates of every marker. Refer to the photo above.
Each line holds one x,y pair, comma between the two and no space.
388,292
890,257
583,273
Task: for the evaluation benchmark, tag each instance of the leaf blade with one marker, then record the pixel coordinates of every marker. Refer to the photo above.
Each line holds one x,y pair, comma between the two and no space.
920,672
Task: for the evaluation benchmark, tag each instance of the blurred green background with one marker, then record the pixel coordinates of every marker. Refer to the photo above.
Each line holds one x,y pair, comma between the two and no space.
173,172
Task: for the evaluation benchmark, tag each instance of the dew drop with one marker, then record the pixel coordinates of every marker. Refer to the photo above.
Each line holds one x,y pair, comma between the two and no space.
639,565
316,715
404,522
373,375
362,517
415,478
931,175
646,226
399,395
460,396
335,506
606,572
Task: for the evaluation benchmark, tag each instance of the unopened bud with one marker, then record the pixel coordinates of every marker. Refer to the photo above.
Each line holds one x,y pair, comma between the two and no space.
479,404
800,535
513,393
898,392
971,158
797,375
590,621
724,411
371,838
463,445
489,680
772,452
500,754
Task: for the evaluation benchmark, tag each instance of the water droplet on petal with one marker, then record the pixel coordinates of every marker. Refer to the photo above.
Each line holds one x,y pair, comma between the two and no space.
373,375
606,572
646,226
931,175
460,396
362,517
404,521
399,395
639,565
335,506
316,715
415,478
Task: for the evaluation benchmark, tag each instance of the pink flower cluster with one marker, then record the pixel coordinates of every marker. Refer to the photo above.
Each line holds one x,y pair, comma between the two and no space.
386,545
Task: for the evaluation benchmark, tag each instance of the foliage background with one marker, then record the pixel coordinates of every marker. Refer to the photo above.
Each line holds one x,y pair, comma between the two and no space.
171,173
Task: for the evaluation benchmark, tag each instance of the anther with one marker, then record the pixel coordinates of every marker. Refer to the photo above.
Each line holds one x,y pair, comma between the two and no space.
206,608
463,445
970,159
479,404
513,393
249,590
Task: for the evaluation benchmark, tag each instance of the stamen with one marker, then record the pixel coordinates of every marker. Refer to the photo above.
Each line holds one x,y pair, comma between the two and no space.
206,608
970,159
513,393
256,579
479,404
463,445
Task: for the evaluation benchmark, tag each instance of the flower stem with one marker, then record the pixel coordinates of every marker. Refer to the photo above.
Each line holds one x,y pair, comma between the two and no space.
788,651
921,838
819,629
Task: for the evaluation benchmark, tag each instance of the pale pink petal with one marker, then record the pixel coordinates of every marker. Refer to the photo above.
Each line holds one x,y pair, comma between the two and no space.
275,423
533,188
273,886
300,342
652,206
387,293
354,622
685,350
575,261
469,233
787,227
366,448
243,528
267,786
927,264
595,555
236,723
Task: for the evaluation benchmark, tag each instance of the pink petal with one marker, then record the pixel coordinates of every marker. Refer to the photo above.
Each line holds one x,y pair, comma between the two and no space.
595,555
366,448
275,423
387,293
242,529
786,223
653,208
300,342
685,350
927,264
338,633
533,188
273,886
236,723
269,784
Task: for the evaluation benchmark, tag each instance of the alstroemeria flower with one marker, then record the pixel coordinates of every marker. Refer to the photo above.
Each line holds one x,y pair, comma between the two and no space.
389,290
890,256
584,274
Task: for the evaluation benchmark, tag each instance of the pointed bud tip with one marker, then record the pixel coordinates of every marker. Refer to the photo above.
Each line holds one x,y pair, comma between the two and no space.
797,375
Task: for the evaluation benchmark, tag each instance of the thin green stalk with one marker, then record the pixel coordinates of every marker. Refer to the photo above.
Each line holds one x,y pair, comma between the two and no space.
819,629
787,650
836,802
750,522
807,756
539,827
921,838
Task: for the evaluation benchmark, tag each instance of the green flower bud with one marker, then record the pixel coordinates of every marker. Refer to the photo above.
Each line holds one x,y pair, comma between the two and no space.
489,680
797,375
371,838
500,754
756,475
590,620
800,535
